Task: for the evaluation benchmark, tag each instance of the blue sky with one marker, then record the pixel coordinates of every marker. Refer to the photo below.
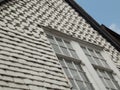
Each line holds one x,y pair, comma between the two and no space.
105,12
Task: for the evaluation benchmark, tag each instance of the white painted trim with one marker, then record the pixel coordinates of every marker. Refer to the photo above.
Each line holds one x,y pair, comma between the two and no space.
54,32
112,65
88,68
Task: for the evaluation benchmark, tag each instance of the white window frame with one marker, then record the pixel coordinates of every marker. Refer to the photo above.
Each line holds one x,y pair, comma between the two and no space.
116,72
111,64
85,63
88,68
72,74
72,59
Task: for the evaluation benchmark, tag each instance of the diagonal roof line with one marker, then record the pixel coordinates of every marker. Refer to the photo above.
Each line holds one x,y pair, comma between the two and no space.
93,23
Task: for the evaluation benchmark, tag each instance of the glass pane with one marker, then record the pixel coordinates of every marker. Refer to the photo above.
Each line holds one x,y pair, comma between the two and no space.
113,89
59,41
51,39
91,59
104,82
78,67
74,54
68,44
73,84
116,84
65,51
110,75
89,86
92,52
70,64
99,55
62,63
67,72
99,73
97,61
81,85
110,83
85,50
114,81
103,74
75,74
105,64
83,76
60,58
56,48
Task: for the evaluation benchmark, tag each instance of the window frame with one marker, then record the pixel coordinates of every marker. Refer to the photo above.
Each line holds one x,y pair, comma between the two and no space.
85,83
98,68
97,50
72,59
88,44
65,46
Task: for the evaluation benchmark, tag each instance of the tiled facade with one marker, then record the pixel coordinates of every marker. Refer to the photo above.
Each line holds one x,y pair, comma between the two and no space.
27,61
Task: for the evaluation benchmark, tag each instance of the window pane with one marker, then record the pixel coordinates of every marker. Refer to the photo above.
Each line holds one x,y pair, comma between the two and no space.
116,84
68,44
67,72
110,83
78,66
105,83
62,63
103,74
99,55
81,85
105,64
113,89
83,76
85,50
110,75
75,74
98,61
99,73
59,41
65,51
73,84
74,54
56,48
89,86
70,64
92,52
51,39
114,81
91,59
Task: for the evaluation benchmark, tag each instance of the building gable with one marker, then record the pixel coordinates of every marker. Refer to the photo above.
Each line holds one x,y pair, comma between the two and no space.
27,59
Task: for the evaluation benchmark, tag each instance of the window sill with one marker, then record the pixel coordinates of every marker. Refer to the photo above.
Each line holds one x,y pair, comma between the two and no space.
70,58
102,68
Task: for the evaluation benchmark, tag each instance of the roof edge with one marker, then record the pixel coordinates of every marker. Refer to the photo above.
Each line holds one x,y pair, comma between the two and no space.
92,22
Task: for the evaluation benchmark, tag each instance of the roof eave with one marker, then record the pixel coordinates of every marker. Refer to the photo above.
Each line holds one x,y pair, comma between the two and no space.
92,22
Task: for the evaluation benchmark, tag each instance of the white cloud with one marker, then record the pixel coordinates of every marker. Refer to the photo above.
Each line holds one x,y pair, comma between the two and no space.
115,28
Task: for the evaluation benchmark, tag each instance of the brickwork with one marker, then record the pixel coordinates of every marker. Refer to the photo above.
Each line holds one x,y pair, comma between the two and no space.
27,61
